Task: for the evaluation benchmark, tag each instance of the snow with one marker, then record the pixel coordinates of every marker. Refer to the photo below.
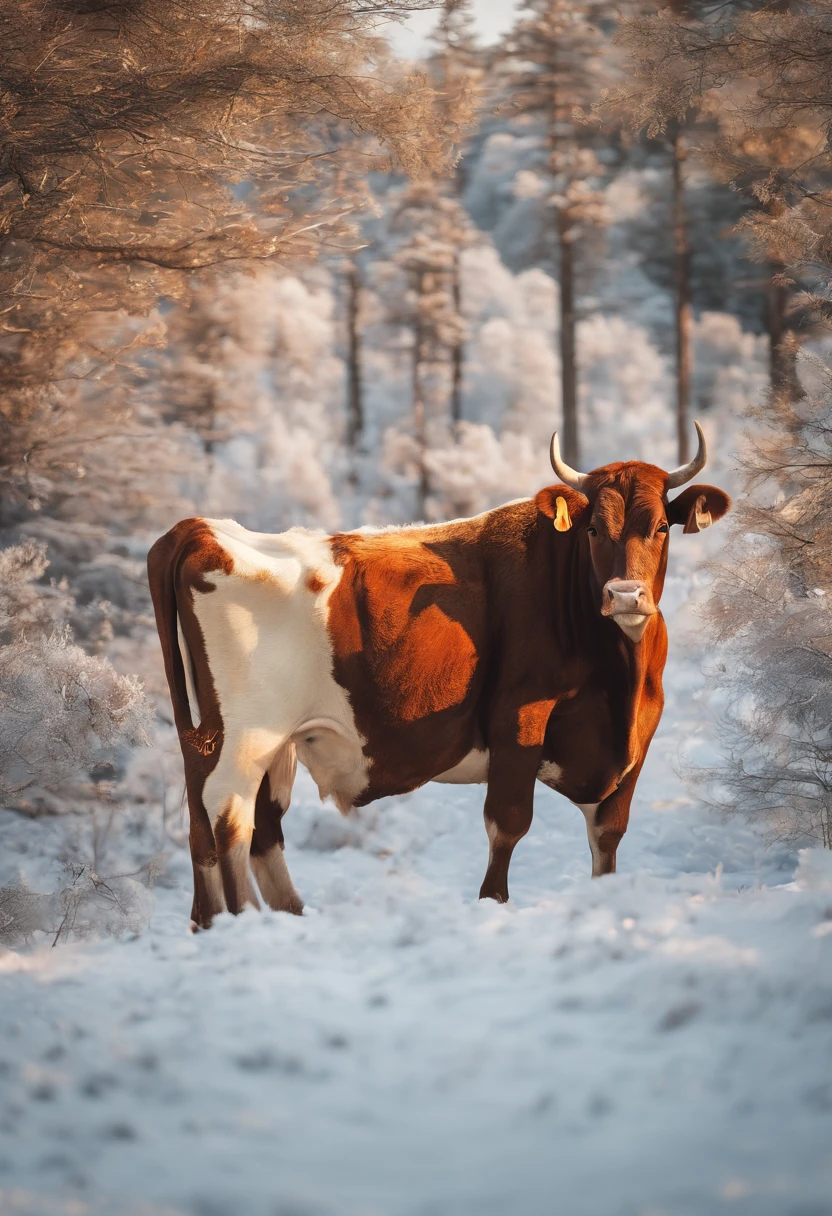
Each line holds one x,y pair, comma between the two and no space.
656,1043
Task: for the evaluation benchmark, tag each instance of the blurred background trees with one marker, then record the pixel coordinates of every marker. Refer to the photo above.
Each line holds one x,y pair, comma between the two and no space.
141,143
763,76
253,264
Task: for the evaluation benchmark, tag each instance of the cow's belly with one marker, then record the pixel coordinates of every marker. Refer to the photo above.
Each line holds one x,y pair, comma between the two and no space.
471,770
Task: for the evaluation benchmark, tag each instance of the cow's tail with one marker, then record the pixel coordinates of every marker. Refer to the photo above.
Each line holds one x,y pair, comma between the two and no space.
162,563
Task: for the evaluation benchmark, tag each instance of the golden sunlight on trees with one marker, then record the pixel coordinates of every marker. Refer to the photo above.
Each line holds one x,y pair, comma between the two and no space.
144,139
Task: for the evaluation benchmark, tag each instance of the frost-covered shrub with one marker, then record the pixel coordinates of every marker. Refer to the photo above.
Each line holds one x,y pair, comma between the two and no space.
86,903
22,913
25,607
771,613
58,705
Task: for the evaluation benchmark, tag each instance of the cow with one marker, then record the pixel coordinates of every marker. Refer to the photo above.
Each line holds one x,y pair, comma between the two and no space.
519,645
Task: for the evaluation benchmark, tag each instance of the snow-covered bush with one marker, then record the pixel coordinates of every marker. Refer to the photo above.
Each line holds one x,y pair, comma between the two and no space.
771,612
58,705
85,904
482,469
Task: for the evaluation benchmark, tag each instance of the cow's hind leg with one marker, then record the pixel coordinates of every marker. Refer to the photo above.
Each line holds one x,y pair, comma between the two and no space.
209,899
267,856
229,797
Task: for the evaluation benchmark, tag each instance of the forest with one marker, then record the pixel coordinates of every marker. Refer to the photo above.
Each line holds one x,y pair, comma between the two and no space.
295,265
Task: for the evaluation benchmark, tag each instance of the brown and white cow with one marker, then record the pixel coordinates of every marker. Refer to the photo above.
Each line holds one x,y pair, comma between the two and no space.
524,644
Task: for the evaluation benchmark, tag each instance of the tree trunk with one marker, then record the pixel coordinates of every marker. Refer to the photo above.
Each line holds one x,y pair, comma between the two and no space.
419,414
683,313
782,376
355,400
568,367
457,354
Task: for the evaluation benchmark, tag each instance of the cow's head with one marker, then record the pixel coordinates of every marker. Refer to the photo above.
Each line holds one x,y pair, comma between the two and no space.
625,514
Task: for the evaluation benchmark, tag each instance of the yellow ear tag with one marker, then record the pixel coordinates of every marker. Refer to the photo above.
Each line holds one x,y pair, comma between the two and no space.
562,521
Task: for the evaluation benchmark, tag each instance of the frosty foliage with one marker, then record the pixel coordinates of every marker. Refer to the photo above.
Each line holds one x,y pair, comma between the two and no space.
510,397
482,468
85,904
22,913
58,705
23,605
771,612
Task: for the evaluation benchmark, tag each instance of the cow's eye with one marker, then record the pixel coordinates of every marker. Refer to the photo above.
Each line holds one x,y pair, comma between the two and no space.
661,528
592,531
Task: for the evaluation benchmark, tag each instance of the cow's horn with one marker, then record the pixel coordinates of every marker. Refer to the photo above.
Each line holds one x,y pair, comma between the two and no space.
686,471
568,476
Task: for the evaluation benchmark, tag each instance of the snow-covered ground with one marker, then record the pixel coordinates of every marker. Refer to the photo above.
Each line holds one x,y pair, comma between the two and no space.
657,1043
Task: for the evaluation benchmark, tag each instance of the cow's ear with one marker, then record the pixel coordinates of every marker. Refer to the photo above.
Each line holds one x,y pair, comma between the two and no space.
563,505
698,507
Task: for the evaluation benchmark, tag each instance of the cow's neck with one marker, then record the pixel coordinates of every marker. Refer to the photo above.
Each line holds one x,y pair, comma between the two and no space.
581,631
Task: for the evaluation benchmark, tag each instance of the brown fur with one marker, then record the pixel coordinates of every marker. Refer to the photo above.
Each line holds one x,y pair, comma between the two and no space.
406,629
531,722
483,633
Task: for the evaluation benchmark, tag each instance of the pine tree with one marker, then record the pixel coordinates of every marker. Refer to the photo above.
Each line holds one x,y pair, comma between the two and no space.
355,386
757,74
456,66
554,65
428,229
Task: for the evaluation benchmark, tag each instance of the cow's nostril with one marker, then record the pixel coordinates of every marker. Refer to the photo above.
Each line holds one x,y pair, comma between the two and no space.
610,593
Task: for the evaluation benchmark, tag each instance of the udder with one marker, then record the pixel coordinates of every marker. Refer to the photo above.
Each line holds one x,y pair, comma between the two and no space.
335,760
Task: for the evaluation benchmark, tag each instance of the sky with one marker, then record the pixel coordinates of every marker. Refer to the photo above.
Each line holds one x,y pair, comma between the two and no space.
493,17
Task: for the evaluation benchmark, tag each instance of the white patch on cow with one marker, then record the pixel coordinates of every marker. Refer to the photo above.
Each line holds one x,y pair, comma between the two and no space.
282,775
190,682
271,660
631,619
471,770
550,773
589,810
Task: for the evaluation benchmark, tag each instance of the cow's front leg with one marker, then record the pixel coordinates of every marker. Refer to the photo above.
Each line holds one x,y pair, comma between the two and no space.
516,749
606,823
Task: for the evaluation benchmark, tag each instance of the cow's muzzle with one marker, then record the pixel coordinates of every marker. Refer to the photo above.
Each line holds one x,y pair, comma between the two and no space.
630,604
